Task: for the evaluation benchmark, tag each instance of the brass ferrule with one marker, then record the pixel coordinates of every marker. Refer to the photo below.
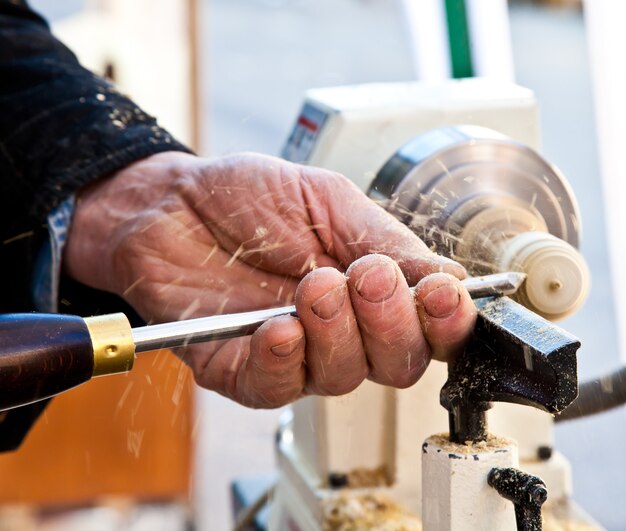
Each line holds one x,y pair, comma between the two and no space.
112,342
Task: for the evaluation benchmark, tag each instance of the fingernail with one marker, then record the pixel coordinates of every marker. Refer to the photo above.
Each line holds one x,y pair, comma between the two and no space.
285,349
328,305
442,302
378,283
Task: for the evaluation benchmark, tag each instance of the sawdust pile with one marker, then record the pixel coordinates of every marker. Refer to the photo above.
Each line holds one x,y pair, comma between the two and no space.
345,512
360,478
552,524
492,443
559,516
374,511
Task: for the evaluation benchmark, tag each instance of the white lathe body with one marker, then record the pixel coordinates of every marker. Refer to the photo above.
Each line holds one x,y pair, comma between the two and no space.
377,430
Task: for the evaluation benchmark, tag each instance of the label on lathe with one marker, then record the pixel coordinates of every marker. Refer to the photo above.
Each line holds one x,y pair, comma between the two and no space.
304,134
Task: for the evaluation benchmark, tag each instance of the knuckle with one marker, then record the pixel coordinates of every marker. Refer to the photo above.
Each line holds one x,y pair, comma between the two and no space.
435,280
317,283
365,262
402,379
335,385
322,272
276,396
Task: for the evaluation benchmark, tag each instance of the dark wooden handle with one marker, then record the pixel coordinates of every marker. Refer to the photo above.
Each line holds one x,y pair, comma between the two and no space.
42,355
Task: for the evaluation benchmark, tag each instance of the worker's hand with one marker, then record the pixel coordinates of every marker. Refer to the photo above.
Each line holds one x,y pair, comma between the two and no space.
179,237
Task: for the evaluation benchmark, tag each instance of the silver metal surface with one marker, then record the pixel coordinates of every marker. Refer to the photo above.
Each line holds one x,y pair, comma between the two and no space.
181,333
494,285
443,177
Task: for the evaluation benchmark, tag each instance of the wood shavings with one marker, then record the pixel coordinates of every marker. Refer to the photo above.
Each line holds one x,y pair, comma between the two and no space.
347,512
492,443
553,524
365,477
561,516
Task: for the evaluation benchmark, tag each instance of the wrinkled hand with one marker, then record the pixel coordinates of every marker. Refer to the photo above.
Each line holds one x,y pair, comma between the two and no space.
180,237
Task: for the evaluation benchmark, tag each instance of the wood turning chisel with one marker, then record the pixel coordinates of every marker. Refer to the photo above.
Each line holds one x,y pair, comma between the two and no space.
42,355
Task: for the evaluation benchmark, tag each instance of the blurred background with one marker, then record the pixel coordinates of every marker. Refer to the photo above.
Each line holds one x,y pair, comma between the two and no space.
230,75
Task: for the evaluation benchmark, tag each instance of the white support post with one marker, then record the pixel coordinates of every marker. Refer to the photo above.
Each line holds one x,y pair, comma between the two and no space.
490,39
606,39
455,492
490,36
426,20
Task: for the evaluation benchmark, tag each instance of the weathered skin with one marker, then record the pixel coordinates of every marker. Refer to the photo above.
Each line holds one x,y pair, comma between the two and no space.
180,236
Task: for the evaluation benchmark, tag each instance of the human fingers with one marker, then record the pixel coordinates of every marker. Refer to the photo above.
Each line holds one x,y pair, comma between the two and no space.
390,328
265,370
274,373
335,359
447,314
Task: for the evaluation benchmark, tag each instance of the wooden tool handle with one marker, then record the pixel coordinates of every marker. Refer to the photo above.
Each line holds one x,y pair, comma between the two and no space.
42,355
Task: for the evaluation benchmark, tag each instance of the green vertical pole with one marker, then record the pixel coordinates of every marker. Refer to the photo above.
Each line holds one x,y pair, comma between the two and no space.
459,38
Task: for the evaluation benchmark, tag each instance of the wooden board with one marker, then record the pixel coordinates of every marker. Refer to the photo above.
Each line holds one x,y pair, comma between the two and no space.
123,435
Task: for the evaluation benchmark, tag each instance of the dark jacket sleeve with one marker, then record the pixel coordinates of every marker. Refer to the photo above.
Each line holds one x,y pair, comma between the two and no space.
60,127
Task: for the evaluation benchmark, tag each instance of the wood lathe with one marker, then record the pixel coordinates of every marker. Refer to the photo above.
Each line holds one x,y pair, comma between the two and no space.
457,162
